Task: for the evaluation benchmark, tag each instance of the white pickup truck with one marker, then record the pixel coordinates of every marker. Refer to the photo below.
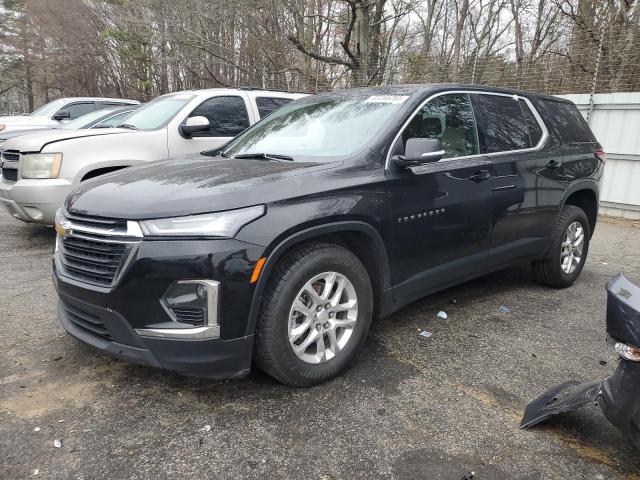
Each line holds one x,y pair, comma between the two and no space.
39,171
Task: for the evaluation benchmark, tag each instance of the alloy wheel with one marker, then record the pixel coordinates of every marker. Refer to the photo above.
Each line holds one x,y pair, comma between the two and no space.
323,317
572,246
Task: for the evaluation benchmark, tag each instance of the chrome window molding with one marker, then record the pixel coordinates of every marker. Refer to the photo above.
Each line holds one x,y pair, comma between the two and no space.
541,143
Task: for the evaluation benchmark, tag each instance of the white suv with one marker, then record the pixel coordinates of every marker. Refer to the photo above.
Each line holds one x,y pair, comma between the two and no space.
40,170
56,113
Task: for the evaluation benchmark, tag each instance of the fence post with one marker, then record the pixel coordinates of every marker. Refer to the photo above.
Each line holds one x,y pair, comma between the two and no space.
594,83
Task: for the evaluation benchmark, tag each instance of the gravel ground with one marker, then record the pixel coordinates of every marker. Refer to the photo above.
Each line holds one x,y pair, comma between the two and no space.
412,407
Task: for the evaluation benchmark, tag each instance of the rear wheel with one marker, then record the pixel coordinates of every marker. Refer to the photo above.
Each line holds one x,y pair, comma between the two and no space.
315,315
568,251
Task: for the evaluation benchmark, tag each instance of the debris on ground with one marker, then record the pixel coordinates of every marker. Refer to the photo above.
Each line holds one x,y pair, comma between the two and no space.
57,443
442,315
603,362
469,476
426,334
206,428
37,429
36,472
504,309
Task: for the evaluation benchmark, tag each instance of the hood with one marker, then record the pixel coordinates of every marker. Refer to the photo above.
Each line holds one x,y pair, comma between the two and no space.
35,142
6,135
21,121
191,185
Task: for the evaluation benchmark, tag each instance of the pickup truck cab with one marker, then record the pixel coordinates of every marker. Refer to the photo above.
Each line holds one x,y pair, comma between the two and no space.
342,207
46,168
57,113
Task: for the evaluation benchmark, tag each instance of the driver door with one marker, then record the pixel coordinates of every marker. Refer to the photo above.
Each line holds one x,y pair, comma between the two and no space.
441,211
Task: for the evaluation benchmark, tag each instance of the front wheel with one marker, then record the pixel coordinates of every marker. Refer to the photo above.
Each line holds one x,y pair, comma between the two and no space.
315,315
568,251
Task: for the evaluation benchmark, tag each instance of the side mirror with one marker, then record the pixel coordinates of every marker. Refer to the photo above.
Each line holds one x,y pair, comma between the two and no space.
418,151
62,115
194,125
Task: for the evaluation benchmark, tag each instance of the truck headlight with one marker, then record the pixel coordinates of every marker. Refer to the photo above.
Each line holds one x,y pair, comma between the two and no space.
41,165
221,225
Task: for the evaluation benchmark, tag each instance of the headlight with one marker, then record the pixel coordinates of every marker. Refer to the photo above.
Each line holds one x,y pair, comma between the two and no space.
41,165
222,224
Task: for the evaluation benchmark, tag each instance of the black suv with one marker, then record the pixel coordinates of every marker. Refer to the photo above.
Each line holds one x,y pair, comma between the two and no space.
283,245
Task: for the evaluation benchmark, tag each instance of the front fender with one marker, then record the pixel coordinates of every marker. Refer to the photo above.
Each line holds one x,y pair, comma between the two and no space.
277,249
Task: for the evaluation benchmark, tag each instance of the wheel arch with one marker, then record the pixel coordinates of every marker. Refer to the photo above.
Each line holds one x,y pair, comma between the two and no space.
361,238
584,196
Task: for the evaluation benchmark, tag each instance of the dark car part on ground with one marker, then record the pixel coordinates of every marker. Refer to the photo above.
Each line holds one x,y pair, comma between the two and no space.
617,395
336,209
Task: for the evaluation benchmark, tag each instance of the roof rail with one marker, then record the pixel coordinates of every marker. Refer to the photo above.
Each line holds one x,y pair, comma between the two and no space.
249,88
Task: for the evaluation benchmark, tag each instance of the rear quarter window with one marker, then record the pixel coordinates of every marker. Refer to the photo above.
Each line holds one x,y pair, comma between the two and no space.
566,122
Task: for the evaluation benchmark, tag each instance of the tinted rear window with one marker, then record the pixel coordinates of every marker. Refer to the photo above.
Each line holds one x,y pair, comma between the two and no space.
267,105
505,127
566,122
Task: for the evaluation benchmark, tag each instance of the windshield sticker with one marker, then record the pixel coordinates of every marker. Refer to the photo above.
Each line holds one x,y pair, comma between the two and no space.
397,99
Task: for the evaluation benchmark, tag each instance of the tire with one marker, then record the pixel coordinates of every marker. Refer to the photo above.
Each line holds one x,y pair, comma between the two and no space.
550,270
274,352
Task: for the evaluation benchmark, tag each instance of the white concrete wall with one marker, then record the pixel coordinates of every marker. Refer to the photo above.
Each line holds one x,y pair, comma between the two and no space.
616,123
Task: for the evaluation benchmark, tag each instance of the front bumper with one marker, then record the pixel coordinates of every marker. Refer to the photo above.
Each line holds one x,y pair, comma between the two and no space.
34,200
109,318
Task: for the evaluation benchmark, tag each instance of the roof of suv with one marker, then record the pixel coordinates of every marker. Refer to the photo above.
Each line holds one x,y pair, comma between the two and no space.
99,99
209,91
425,88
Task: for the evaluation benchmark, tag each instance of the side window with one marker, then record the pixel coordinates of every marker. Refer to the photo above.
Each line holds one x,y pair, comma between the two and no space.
450,119
505,127
117,119
227,116
535,130
567,122
78,109
268,105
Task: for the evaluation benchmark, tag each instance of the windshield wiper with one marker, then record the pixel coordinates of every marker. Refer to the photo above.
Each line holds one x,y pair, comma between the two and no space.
128,125
264,156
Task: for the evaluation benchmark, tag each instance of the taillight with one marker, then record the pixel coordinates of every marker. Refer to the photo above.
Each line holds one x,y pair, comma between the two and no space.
601,155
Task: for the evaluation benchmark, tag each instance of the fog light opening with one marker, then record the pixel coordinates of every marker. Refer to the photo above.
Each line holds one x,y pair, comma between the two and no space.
193,302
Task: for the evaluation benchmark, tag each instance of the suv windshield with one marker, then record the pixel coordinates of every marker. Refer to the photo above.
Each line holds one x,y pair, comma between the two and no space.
48,108
318,127
157,112
85,121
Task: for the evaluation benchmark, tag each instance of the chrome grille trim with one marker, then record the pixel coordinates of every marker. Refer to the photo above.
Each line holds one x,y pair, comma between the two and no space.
93,255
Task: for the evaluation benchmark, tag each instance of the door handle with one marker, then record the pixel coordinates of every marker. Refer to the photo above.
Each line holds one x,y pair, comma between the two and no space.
480,176
552,164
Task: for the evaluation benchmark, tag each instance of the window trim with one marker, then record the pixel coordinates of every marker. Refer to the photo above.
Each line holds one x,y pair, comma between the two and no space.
539,145
74,102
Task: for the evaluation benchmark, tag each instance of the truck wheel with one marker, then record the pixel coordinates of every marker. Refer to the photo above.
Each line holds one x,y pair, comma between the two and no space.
568,250
315,315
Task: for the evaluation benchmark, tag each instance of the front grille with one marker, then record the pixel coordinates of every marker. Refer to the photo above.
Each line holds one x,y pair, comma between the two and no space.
11,155
91,259
94,249
10,164
86,321
97,222
191,315
10,174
